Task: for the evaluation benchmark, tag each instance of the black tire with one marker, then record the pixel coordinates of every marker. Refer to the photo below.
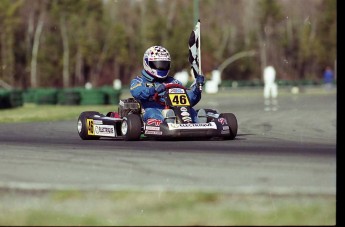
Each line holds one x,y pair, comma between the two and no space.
131,127
83,126
233,126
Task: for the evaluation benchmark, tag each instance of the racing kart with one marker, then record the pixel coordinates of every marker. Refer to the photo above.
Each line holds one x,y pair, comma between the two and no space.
127,122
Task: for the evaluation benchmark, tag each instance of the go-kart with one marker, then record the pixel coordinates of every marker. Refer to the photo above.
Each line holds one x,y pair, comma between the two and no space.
127,122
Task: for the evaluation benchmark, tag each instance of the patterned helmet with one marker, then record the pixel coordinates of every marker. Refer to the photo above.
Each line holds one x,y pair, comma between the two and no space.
156,62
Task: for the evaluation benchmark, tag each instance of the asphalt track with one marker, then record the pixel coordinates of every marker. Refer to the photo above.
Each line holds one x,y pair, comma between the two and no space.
290,150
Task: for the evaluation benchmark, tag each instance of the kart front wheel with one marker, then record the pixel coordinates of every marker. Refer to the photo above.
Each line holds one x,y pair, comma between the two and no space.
131,127
85,125
233,126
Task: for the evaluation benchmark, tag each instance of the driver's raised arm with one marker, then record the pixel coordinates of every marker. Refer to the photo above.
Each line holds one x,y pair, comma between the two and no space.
194,93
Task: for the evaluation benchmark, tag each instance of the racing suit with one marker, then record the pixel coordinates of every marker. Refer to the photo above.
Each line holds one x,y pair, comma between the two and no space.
140,90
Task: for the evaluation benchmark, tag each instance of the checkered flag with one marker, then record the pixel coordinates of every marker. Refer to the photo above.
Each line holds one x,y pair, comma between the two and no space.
194,50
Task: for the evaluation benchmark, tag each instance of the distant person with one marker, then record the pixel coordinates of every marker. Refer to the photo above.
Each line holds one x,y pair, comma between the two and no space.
328,77
270,89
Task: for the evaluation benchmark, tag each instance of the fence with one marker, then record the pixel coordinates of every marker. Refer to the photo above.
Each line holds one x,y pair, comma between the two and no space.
54,96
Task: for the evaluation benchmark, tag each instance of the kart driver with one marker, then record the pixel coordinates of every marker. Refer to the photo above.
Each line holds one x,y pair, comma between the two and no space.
154,76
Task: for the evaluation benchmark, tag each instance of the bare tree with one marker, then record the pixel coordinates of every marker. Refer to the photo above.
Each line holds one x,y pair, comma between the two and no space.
65,43
8,22
36,42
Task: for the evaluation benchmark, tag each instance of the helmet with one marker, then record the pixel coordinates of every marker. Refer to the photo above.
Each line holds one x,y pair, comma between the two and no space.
156,62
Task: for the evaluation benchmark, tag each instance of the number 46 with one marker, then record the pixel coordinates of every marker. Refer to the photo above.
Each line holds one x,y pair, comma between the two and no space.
179,99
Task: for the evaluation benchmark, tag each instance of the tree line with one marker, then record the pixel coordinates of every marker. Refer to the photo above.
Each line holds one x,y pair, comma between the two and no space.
66,43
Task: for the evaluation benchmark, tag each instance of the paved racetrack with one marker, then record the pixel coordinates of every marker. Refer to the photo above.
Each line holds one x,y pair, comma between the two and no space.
292,149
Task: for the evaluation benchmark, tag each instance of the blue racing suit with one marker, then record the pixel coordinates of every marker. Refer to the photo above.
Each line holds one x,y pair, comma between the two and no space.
143,91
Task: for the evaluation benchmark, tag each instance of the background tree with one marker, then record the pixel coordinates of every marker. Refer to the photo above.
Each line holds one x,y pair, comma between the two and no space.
327,34
66,43
8,21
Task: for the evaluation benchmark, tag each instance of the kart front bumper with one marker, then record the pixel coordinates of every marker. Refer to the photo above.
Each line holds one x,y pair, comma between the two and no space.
197,130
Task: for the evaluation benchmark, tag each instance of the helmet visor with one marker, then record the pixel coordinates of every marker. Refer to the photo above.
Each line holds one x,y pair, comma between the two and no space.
160,65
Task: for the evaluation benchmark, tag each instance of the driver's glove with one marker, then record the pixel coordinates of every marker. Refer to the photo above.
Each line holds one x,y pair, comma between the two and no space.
200,80
158,89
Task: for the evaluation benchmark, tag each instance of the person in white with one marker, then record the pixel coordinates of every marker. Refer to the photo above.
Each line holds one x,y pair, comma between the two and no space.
270,89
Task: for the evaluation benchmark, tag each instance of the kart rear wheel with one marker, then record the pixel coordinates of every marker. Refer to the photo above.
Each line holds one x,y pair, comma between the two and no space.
233,126
131,127
84,127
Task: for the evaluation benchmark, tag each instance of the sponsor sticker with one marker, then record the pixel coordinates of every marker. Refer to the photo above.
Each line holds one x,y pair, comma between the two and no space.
185,118
176,90
210,125
152,128
222,121
104,130
153,132
152,121
98,122
89,125
157,58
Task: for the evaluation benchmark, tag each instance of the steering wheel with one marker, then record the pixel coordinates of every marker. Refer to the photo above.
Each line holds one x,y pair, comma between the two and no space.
157,97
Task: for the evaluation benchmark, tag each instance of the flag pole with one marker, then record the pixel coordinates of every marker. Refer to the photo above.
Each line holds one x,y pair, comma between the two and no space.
199,49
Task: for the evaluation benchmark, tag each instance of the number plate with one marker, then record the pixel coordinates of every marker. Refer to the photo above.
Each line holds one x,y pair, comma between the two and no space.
179,100
89,125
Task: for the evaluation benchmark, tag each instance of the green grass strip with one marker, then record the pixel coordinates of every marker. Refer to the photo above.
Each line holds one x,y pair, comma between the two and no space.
36,113
125,208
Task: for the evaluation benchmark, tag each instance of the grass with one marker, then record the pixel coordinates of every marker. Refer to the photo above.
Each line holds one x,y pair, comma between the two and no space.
63,207
35,113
